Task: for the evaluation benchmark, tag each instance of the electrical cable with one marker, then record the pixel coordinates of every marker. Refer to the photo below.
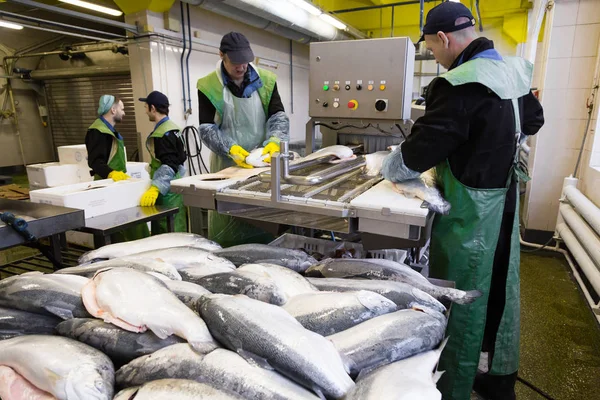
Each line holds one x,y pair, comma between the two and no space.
198,148
539,248
534,388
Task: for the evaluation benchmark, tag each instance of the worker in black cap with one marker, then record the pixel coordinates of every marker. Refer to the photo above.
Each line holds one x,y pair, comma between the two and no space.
240,110
166,148
476,114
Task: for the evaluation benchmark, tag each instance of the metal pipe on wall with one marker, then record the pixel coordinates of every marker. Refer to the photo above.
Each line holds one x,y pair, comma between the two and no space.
586,236
58,73
182,19
291,77
392,31
584,206
583,259
187,61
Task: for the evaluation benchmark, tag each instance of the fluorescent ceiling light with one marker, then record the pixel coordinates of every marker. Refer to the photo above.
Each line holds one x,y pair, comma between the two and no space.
10,25
95,7
332,21
455,1
307,7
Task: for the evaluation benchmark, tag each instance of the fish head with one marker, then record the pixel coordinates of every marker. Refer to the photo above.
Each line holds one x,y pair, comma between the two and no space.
90,382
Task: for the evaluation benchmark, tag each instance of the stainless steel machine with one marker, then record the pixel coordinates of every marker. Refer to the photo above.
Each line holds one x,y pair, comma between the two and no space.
360,96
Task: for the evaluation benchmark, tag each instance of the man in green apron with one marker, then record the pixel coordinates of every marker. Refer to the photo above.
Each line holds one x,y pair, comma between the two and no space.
240,110
166,148
475,116
106,154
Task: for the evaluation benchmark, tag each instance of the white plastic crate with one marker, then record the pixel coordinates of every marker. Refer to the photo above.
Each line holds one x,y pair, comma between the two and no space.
55,174
95,198
138,170
74,154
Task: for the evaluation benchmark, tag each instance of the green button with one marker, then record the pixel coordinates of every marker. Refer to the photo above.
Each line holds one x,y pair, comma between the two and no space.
325,87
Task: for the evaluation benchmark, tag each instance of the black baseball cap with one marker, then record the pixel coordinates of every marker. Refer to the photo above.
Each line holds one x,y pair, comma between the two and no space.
155,99
237,48
443,16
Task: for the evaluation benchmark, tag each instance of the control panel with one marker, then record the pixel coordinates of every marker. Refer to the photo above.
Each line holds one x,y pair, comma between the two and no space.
368,79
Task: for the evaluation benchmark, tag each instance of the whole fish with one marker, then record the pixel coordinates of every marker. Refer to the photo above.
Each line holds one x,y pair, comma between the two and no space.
257,159
162,241
327,313
340,152
63,367
403,294
178,361
137,301
390,337
297,260
266,332
187,292
148,265
194,274
17,323
408,379
183,257
381,269
292,283
48,294
120,345
180,389
14,387
375,162
243,282
424,188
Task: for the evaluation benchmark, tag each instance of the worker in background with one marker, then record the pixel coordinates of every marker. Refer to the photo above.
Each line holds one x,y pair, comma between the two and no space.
475,115
166,148
106,154
240,110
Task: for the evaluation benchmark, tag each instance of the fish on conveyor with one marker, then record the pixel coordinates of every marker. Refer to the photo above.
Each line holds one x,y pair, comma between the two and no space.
255,286
403,294
136,301
179,389
292,283
424,188
183,257
148,265
268,334
381,269
120,345
14,387
408,379
162,241
342,153
63,367
18,323
257,159
374,162
389,338
297,260
48,294
187,292
327,313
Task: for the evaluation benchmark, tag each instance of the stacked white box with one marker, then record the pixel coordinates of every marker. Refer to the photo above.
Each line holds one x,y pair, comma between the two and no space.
55,174
75,154
138,170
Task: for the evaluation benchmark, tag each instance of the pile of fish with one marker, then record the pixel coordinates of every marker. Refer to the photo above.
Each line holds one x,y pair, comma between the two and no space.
175,316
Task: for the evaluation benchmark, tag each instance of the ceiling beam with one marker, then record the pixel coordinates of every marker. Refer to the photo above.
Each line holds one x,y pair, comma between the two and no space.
376,7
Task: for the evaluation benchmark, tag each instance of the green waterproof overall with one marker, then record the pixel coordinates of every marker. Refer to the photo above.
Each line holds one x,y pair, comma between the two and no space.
464,243
170,199
117,162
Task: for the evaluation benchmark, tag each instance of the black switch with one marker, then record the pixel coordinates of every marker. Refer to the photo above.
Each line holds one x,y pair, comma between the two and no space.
359,87
325,104
347,87
380,105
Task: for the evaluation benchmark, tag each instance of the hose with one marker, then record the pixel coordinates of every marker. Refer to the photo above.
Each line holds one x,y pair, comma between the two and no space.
197,156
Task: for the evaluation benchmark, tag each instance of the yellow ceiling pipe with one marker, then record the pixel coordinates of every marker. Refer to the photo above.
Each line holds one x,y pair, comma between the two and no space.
133,6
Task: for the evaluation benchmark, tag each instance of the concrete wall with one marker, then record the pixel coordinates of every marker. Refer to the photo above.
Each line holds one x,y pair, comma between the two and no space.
565,70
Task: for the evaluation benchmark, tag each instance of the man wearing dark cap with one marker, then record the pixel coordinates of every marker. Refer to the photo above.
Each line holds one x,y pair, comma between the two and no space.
475,117
240,110
166,148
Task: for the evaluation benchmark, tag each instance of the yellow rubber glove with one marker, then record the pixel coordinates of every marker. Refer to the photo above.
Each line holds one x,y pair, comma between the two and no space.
118,176
270,149
149,197
238,154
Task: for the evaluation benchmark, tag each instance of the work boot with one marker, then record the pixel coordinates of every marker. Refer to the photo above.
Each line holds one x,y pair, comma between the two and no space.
496,387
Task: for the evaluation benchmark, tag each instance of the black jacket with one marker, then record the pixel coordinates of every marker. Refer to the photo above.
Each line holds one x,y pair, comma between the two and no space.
170,150
98,146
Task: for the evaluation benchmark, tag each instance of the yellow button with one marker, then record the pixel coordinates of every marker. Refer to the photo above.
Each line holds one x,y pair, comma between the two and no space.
353,104
381,87
370,87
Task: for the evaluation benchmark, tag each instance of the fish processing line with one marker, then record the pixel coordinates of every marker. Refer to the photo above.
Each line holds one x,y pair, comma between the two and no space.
360,96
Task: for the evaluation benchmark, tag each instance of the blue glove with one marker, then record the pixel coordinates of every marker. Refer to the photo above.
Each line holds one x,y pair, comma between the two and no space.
394,169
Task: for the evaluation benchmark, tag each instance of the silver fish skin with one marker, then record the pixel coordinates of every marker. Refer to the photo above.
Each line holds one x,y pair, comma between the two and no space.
292,283
18,323
380,269
120,345
404,295
389,338
183,257
187,292
180,389
297,260
147,265
47,294
424,188
408,379
194,274
327,313
178,361
243,282
267,332
162,241
63,367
